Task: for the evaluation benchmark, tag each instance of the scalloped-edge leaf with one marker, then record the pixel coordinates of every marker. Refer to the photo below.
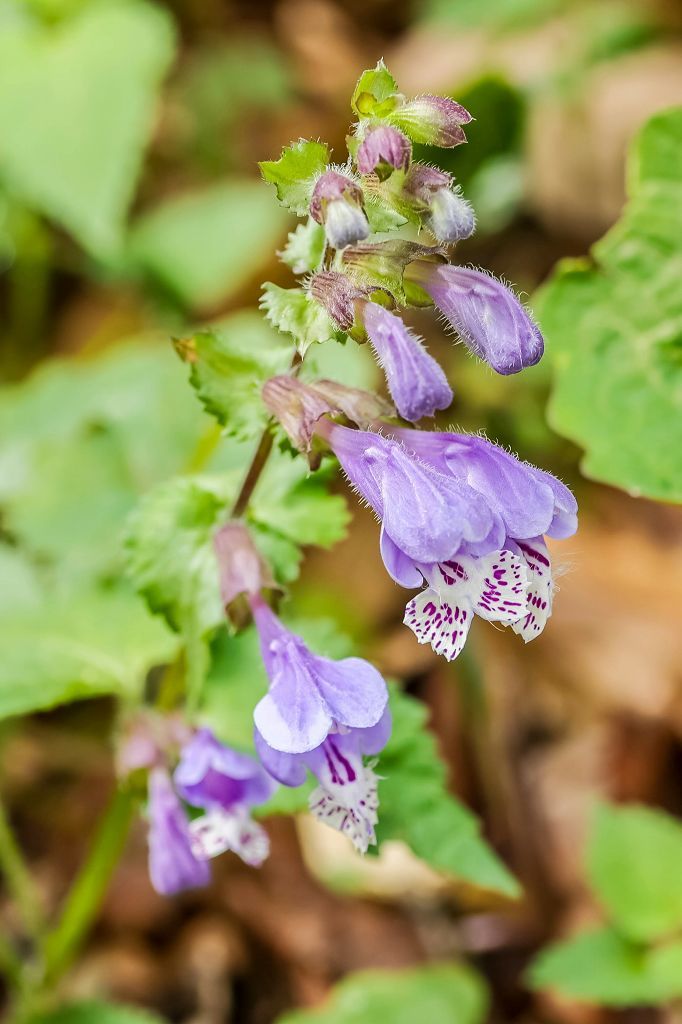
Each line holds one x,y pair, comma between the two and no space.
294,174
305,247
293,311
376,92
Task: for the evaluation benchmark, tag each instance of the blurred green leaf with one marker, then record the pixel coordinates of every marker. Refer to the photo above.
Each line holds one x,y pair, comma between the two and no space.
437,993
415,805
77,104
498,15
614,330
96,1013
295,312
99,642
20,584
205,246
635,867
229,365
294,174
603,967
376,92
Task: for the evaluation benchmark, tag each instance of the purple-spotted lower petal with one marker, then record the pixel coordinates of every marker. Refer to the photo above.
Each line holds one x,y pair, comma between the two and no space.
437,620
173,865
540,590
218,831
416,382
347,797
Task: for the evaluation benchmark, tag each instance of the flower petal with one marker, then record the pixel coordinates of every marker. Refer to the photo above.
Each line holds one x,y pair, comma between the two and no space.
289,769
173,865
218,831
292,717
435,620
399,565
540,590
353,690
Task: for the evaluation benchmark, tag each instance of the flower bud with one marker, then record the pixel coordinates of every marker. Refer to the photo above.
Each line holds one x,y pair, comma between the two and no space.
383,150
338,294
434,120
444,210
487,316
242,571
337,204
299,406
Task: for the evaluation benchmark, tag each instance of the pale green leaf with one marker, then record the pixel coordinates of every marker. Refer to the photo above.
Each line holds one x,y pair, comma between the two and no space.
603,967
96,1013
376,92
229,365
294,174
415,805
635,867
437,993
77,106
205,246
305,248
614,330
295,312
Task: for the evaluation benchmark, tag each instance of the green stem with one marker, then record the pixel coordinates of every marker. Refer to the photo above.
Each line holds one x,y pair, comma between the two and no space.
19,881
83,901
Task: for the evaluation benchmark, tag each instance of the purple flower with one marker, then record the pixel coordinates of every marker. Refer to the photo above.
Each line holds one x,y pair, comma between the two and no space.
434,120
337,203
427,515
443,209
485,313
311,696
173,864
416,382
346,798
382,151
211,775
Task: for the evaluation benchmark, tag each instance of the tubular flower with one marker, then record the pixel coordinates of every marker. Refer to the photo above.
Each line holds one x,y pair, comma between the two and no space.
487,316
173,863
415,381
323,715
434,120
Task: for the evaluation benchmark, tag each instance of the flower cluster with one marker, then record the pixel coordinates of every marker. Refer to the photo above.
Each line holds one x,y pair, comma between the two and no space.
463,521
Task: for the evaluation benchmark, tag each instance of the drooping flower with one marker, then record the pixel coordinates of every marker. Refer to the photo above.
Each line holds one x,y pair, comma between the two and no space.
173,863
323,715
382,151
434,120
346,798
337,203
417,384
444,210
487,316
310,696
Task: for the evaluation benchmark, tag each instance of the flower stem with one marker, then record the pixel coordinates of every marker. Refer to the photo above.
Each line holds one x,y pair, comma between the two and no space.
87,891
19,881
254,471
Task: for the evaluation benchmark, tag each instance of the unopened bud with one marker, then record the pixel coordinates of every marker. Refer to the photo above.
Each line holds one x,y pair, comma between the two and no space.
384,150
242,570
444,210
434,120
338,294
337,204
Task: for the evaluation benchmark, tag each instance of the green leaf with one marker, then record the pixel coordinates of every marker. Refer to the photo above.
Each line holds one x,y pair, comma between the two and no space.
170,555
437,993
205,246
603,967
20,584
295,312
294,174
99,642
376,92
96,1013
305,248
416,807
635,867
614,330
77,105
228,367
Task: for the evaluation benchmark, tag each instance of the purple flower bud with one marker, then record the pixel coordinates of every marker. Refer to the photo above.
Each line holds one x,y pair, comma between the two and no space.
444,210
337,203
485,313
434,120
382,151
299,406
311,696
211,775
416,382
173,864
346,798
242,570
338,294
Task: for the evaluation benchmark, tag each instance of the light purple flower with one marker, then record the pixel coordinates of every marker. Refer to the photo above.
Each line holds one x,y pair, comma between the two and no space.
337,203
211,775
485,313
433,120
427,515
173,864
416,382
382,151
311,696
346,798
